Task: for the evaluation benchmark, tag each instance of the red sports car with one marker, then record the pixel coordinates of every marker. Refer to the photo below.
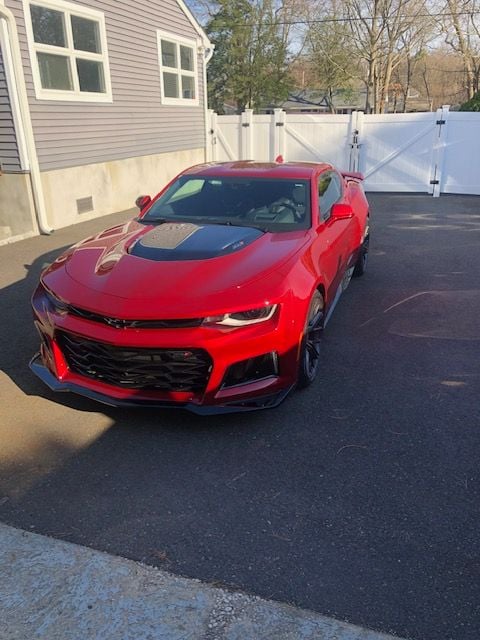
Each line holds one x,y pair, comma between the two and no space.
214,298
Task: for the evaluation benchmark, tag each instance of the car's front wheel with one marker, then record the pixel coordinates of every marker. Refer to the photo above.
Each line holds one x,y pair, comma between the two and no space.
312,336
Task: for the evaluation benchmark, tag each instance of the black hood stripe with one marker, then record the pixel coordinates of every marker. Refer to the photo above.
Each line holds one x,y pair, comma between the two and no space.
186,241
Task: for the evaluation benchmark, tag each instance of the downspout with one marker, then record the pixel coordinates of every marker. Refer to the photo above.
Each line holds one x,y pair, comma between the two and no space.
36,179
207,56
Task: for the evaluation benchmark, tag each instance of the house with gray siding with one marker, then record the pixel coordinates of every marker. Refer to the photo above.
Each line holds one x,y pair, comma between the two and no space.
100,101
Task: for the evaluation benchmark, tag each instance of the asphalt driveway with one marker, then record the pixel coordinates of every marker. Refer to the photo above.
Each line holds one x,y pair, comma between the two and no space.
358,498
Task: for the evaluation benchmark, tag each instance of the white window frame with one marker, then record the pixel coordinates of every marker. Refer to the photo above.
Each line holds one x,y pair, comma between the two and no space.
177,41
68,9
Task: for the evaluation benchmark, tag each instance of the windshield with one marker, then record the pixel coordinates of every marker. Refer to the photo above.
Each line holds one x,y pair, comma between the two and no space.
268,204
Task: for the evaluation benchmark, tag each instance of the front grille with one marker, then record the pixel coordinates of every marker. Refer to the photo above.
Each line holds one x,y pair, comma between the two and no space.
135,367
119,323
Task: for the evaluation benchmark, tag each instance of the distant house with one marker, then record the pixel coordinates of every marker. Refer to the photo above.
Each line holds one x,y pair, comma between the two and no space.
346,101
315,101
100,101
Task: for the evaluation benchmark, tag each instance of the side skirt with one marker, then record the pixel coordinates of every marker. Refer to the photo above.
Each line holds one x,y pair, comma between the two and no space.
341,288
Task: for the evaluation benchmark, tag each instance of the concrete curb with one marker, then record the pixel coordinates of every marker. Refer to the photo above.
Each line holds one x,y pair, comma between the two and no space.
55,590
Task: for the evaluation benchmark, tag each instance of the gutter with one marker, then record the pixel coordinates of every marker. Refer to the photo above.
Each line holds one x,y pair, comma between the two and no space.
207,56
206,49
25,123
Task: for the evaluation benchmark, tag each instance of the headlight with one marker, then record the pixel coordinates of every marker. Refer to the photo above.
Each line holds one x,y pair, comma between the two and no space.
54,303
243,318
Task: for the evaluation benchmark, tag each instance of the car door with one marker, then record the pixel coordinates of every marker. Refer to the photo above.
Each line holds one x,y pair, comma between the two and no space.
331,246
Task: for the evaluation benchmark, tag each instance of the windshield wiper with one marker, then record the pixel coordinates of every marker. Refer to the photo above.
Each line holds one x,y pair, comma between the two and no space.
152,220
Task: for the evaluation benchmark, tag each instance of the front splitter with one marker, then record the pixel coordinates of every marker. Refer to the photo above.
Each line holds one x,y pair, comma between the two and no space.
253,404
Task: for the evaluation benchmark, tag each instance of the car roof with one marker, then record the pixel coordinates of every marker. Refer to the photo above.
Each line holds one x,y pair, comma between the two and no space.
251,169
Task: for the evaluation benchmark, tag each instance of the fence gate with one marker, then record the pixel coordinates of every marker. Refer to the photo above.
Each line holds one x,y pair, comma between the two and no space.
396,152
402,151
310,138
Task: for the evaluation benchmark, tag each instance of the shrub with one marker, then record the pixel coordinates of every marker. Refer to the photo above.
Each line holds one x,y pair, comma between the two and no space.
473,104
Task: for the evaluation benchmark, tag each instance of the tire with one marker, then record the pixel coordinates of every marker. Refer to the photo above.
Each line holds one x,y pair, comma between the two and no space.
309,362
362,260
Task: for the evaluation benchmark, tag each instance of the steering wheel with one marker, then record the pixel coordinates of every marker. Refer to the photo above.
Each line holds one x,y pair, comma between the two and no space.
284,203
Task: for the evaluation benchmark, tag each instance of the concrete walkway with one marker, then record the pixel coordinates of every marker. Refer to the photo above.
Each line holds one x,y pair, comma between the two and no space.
57,590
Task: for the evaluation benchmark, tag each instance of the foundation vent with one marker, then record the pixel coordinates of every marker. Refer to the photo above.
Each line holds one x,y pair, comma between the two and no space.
84,205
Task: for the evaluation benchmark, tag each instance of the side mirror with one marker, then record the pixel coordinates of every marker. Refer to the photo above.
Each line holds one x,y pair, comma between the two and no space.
142,201
341,211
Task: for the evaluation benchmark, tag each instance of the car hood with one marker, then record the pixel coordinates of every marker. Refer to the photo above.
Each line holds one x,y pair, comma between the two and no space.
170,268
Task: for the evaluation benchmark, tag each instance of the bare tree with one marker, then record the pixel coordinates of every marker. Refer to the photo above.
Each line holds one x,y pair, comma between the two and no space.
414,42
461,26
383,33
440,75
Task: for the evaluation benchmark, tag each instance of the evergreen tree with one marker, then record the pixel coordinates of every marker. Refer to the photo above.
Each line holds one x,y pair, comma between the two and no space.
473,104
250,64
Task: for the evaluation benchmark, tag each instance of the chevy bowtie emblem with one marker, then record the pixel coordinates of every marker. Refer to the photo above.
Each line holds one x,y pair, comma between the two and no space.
116,323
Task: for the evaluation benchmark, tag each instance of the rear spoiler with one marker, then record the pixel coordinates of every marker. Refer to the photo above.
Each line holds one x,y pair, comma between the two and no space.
353,175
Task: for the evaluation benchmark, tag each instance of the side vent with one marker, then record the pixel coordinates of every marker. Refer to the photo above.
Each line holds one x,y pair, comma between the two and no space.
84,205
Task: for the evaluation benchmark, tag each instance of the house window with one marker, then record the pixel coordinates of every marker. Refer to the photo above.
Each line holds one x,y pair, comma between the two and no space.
178,70
68,46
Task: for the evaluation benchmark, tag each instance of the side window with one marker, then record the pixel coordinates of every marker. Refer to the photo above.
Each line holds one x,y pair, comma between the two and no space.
329,192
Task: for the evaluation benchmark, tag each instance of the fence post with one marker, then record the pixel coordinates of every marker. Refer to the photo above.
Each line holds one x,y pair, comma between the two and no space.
211,141
352,141
356,131
279,137
246,135
439,150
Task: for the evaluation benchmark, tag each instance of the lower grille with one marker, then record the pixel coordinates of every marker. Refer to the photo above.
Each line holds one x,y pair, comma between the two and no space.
135,367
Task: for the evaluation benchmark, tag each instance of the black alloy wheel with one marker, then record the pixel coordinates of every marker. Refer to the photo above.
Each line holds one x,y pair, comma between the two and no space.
310,350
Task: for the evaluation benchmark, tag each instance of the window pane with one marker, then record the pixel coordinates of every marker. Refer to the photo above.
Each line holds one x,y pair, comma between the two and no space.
48,26
329,192
186,58
169,54
90,76
85,35
188,87
170,85
55,72
324,183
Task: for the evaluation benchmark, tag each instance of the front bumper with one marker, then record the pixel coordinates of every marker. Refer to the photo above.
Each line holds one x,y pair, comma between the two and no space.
225,348
259,402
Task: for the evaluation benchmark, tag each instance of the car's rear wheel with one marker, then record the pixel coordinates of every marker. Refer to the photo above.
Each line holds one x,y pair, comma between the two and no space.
310,350
362,260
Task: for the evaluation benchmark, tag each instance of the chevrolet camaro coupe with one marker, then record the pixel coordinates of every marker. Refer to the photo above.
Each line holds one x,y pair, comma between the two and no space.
214,298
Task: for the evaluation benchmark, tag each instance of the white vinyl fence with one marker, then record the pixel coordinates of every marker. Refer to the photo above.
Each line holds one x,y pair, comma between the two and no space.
413,152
